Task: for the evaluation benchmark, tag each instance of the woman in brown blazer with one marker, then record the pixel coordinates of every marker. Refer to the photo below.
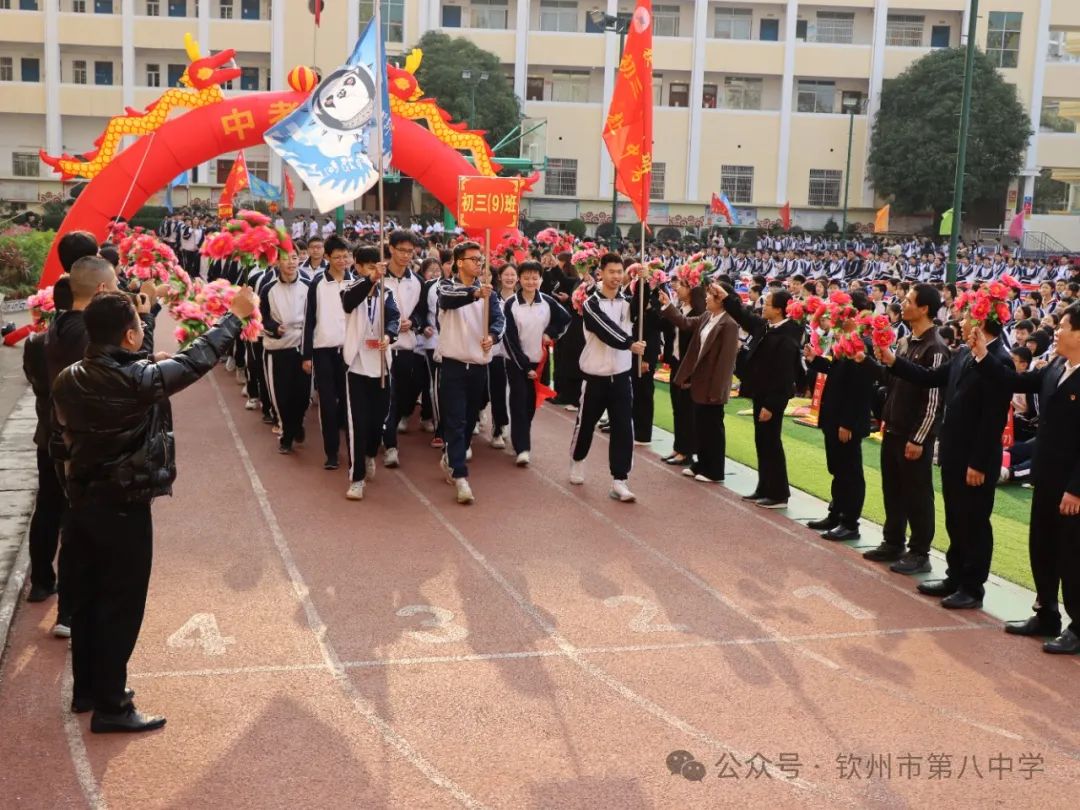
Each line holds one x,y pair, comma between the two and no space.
706,370
690,301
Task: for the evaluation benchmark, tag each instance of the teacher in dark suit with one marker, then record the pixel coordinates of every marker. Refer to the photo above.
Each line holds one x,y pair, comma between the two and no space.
1054,534
706,371
970,455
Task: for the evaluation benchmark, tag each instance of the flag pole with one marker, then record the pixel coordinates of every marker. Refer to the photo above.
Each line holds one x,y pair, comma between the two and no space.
487,270
641,302
380,70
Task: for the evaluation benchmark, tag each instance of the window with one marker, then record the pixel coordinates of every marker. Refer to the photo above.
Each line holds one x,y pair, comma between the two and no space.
78,6
733,23
103,73
175,72
260,169
153,8
7,70
708,96
24,164
658,89
558,15
737,182
177,8
451,16
28,5
837,27
225,9
851,101
742,93
1057,48
249,78
393,17
678,94
656,180
103,6
249,9
814,96
825,187
560,178
491,14
1051,119
534,88
30,68
1003,38
904,30
153,75
665,21
570,85
78,71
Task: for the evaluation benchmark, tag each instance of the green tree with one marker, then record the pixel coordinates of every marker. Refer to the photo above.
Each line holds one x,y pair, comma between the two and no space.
498,110
913,145
576,227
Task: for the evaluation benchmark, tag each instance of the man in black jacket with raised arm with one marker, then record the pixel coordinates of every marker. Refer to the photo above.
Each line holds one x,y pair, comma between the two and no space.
970,456
767,374
1054,539
112,408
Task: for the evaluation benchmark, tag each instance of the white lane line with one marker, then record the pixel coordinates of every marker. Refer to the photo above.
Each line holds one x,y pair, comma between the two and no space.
84,772
318,627
574,655
528,654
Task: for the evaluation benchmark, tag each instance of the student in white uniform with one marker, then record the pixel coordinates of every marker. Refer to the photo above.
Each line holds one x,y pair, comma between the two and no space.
370,329
284,305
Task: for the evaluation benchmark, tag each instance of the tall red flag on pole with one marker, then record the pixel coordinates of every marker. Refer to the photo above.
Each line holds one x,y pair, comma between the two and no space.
628,128
290,189
785,216
237,179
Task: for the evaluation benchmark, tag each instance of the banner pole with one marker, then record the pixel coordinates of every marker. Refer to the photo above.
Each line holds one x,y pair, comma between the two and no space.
380,59
487,270
641,305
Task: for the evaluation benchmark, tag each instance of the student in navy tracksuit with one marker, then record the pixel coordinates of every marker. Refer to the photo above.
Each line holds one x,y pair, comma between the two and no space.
533,321
466,351
605,366
283,305
370,329
324,335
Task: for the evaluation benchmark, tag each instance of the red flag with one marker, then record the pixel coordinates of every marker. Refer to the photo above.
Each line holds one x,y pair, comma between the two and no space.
717,204
628,128
290,189
237,179
542,391
785,215
318,5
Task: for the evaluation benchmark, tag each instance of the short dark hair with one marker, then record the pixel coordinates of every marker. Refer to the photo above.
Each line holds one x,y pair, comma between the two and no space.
61,293
299,244
108,316
1025,324
366,254
314,239
73,246
401,235
609,258
779,299
461,247
1023,353
530,267
110,254
335,242
928,296
860,301
1072,312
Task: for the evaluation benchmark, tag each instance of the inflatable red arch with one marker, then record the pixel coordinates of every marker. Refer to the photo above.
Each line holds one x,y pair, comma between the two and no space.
146,167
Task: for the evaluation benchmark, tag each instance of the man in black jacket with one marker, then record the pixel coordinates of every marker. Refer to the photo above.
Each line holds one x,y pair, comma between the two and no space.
844,419
113,410
767,374
1054,539
568,378
970,456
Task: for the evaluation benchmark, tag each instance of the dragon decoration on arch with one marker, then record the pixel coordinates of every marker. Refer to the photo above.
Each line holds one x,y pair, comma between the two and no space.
201,87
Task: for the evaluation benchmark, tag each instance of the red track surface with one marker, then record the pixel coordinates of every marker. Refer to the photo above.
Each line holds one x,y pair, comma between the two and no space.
588,640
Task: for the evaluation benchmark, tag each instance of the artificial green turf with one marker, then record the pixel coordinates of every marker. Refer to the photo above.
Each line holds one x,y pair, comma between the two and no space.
806,470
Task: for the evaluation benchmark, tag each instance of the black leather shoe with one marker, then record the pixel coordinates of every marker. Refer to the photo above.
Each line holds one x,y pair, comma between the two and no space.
330,464
301,434
940,587
83,705
39,594
753,496
841,533
1034,626
884,553
823,525
130,721
284,447
912,564
961,601
1068,643
771,503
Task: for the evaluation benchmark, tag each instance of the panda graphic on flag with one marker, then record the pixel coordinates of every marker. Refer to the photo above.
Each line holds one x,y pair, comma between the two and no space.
331,140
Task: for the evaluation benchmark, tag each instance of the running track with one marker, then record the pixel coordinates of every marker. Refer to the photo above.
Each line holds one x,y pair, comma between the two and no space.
545,647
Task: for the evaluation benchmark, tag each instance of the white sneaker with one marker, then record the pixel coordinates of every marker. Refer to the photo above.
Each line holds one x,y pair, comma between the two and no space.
577,472
427,425
468,454
241,376
252,404
403,426
688,472
571,408
369,469
523,458
497,441
355,491
230,364
464,491
642,444
61,630
444,465
390,457
621,492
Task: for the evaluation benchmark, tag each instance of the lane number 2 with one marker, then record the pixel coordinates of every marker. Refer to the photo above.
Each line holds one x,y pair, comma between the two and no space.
642,622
